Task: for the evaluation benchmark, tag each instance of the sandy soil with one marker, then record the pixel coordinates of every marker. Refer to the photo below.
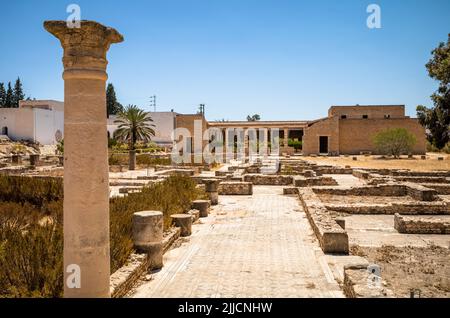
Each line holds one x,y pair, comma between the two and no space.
426,269
374,162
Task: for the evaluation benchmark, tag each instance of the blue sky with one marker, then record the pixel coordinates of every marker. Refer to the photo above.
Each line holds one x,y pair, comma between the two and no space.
285,59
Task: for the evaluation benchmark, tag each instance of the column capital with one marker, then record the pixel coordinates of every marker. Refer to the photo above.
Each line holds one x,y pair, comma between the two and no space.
85,47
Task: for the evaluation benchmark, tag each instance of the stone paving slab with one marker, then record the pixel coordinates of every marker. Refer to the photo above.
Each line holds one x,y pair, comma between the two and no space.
250,246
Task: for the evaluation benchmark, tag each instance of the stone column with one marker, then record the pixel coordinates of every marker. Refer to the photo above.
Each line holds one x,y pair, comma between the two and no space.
183,221
34,160
148,236
202,206
86,188
212,190
16,159
286,137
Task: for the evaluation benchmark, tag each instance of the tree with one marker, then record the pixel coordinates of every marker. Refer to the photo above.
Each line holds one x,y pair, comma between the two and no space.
394,141
18,94
134,125
201,109
2,95
437,118
60,147
113,107
9,96
255,117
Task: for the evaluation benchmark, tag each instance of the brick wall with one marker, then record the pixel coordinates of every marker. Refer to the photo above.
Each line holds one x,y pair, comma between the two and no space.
394,111
327,127
356,135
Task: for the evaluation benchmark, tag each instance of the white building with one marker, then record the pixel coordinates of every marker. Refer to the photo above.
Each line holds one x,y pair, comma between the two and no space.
43,121
37,120
164,126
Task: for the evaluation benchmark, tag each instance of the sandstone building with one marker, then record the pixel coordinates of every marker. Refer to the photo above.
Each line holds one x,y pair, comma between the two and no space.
346,129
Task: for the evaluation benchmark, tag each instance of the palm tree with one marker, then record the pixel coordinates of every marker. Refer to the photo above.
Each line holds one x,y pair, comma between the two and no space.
134,125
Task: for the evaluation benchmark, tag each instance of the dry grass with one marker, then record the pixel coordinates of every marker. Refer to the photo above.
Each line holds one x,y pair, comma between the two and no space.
406,268
374,162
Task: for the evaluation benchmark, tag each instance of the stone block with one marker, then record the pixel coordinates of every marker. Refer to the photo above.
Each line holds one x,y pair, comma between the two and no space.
236,188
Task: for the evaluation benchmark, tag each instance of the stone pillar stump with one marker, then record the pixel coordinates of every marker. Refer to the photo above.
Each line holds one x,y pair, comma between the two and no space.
211,189
86,185
202,206
16,159
34,160
148,235
183,221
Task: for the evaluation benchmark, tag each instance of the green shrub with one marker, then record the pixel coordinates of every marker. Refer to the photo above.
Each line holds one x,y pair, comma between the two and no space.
394,141
147,160
296,144
431,147
174,195
141,159
36,191
31,227
446,148
31,260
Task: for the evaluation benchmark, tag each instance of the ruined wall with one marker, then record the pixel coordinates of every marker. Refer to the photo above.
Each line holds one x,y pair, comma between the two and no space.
415,225
235,188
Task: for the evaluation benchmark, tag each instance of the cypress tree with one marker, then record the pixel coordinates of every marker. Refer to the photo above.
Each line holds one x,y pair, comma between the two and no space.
2,95
18,94
113,107
9,96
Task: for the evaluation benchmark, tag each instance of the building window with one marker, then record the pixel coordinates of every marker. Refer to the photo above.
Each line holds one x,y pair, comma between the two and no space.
387,116
343,116
365,116
5,131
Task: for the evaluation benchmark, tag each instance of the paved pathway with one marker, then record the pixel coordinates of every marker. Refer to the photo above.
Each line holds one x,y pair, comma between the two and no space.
250,246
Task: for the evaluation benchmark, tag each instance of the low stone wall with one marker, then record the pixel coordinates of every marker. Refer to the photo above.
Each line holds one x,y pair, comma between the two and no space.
415,208
125,277
236,188
332,238
361,174
314,181
422,179
199,179
260,179
253,169
126,190
333,170
290,190
440,188
420,173
177,172
396,190
420,192
147,177
357,284
417,225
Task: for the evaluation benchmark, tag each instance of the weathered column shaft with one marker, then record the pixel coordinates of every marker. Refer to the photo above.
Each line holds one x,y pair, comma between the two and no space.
86,186
286,137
